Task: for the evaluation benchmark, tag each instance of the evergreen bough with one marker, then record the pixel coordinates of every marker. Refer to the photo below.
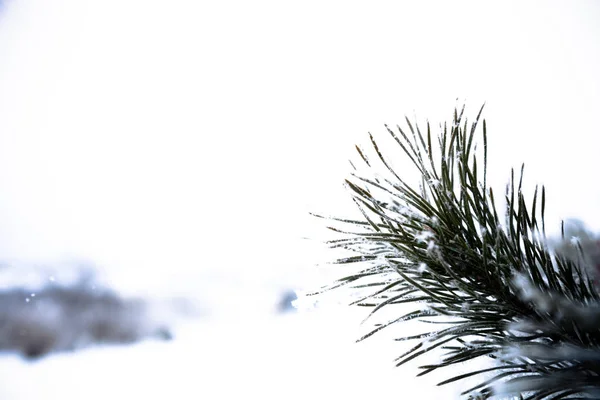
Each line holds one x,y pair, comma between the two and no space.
490,278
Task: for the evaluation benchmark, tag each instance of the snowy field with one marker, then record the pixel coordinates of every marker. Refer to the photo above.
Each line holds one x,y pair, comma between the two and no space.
288,357
179,146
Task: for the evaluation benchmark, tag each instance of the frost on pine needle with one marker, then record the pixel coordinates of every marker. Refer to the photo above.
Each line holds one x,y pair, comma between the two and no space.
483,284
432,247
435,182
482,230
425,236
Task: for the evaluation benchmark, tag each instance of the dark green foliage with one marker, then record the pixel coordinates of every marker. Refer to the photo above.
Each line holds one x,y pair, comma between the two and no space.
444,248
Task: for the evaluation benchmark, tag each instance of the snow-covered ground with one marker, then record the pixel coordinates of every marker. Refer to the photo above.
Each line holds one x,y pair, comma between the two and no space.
178,146
290,356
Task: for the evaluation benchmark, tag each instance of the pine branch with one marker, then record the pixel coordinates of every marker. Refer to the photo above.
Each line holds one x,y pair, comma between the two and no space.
509,297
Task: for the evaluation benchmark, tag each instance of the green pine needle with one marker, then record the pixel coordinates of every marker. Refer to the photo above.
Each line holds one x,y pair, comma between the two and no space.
449,249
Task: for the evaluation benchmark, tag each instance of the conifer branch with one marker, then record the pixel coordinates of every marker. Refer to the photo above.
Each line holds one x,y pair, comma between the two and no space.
445,245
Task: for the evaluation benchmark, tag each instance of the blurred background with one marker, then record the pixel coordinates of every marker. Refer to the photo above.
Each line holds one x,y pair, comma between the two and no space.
176,149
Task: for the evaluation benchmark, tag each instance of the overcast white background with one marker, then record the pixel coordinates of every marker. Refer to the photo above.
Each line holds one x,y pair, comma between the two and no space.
171,143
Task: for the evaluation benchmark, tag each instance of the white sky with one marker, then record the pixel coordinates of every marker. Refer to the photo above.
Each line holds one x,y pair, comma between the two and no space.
165,141
198,134
148,137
